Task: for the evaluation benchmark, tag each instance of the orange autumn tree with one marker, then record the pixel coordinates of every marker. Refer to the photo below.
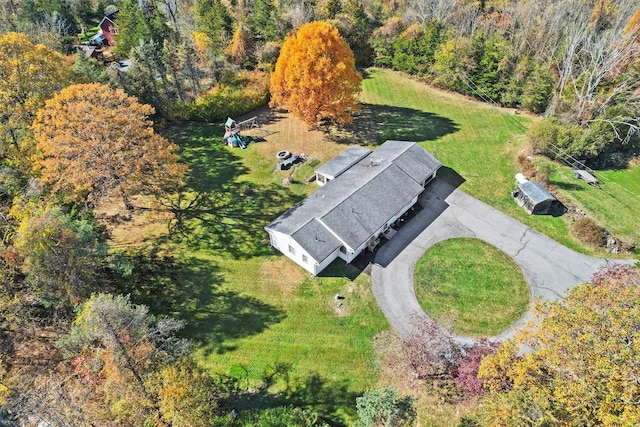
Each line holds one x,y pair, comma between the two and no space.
94,141
315,77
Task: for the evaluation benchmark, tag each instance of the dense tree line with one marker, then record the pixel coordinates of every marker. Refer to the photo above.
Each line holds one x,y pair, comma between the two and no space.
73,351
574,60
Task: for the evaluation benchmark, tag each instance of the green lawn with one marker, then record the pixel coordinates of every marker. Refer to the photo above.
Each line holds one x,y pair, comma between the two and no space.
471,284
254,314
251,312
479,142
615,205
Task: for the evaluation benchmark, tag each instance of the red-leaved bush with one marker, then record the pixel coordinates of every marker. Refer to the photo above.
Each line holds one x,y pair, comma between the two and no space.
429,354
467,378
431,351
621,273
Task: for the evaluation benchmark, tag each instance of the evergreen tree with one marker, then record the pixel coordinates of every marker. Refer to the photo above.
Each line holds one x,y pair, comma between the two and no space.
331,9
89,70
216,22
138,24
383,407
360,30
264,21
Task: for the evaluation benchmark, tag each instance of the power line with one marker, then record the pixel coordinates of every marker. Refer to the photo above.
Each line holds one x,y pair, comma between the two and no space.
572,162
558,152
487,99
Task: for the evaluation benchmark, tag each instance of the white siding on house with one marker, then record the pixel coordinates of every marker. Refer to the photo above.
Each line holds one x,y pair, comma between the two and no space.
294,251
369,192
348,255
324,264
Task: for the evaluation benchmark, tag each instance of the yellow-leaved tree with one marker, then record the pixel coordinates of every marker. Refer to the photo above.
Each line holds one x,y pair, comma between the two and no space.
94,141
582,361
315,77
30,73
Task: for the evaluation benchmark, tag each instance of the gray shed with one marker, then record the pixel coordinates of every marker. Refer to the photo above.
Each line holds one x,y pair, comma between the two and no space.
534,198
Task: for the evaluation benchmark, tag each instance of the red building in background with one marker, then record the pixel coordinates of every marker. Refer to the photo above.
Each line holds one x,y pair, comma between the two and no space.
108,28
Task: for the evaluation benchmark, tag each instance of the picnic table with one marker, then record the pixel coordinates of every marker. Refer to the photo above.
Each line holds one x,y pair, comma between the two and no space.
587,177
288,162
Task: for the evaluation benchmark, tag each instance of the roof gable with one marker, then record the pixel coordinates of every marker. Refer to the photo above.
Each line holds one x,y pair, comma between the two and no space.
317,240
350,209
371,206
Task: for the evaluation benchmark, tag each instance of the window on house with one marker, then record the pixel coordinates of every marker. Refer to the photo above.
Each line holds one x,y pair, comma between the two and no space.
304,258
292,250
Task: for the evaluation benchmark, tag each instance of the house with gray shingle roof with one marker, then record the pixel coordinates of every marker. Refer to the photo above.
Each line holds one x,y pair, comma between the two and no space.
340,163
363,193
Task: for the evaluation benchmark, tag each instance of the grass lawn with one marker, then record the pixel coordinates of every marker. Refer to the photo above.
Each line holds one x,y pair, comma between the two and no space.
254,314
478,141
615,205
477,288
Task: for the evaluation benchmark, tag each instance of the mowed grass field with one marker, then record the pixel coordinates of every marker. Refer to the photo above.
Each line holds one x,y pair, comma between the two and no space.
252,313
615,205
479,142
471,285
257,316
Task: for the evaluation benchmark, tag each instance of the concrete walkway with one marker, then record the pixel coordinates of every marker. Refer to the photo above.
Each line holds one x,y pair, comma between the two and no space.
550,268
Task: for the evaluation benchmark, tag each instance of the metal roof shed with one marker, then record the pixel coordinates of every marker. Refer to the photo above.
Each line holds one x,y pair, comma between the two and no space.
534,198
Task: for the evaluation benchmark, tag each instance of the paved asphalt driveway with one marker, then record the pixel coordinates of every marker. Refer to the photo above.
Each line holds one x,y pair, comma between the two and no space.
549,267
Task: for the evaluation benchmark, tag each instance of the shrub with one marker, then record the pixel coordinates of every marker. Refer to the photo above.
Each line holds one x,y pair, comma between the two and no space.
467,377
543,173
281,416
550,138
588,231
231,98
383,407
525,165
428,355
625,274
543,135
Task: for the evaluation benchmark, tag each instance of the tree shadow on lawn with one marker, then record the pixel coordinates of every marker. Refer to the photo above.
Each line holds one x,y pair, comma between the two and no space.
215,212
330,399
265,115
210,163
190,289
229,219
375,124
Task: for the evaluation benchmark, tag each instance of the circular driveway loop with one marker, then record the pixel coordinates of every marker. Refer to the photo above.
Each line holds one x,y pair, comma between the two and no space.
549,267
